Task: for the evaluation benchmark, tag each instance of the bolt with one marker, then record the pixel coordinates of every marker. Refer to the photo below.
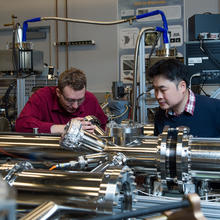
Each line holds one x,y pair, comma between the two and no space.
119,183
132,177
100,200
135,191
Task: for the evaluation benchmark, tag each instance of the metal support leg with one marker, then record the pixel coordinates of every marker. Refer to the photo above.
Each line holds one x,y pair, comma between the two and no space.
142,102
20,95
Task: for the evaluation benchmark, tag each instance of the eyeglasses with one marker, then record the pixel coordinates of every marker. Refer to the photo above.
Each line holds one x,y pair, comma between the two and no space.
71,101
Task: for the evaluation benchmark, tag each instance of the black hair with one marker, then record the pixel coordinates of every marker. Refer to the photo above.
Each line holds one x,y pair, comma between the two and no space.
172,69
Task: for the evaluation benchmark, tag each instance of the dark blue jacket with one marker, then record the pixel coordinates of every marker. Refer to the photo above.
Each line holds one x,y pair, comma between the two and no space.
205,122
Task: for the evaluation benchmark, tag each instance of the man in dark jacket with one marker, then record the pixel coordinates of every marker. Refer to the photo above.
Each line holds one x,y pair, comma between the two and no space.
178,105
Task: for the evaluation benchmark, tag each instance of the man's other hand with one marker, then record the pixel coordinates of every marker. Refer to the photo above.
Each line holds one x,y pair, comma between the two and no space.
86,125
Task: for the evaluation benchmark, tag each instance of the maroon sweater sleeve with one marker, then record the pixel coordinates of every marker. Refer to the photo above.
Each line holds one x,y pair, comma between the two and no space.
39,112
32,116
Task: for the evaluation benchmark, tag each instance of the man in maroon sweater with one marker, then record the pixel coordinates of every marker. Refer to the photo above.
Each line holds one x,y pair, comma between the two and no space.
50,108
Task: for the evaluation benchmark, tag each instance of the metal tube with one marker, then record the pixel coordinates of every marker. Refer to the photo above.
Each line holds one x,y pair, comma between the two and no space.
75,138
110,191
89,21
46,148
67,33
124,134
51,210
144,155
57,36
134,104
142,89
34,147
205,154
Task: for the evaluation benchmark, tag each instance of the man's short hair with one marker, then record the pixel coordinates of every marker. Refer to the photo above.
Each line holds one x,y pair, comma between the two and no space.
171,69
75,78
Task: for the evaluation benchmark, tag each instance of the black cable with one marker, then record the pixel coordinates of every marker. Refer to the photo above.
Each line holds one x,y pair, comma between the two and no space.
5,98
123,113
14,55
143,93
205,50
144,211
153,47
216,63
148,64
201,87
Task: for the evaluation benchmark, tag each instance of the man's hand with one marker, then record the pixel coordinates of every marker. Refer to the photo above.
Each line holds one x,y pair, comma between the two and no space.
86,125
57,129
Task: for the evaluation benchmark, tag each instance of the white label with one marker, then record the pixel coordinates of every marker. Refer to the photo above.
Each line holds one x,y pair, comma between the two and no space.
126,13
192,60
171,12
176,35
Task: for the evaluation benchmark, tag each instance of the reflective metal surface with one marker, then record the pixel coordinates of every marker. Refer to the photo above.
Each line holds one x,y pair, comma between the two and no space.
173,158
109,191
33,147
74,138
205,154
173,161
123,134
50,210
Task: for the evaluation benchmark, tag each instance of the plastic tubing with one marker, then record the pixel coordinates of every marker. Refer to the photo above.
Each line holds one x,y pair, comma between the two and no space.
25,26
163,30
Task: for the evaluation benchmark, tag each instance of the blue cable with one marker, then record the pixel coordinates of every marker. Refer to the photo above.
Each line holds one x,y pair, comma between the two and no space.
165,34
25,26
163,30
